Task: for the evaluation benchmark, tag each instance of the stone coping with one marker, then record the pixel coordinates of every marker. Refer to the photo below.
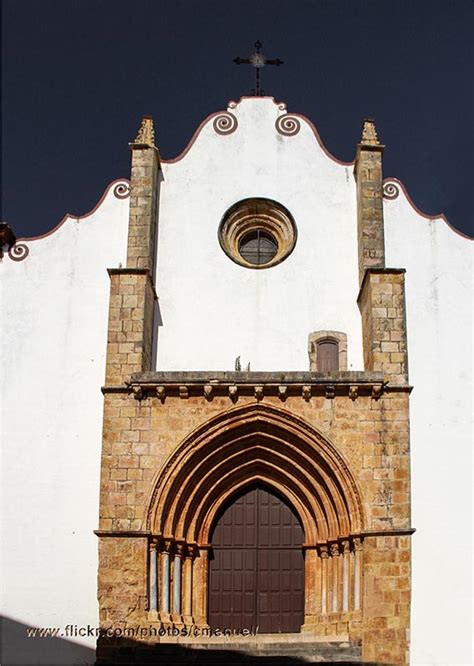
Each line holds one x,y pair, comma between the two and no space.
259,384
252,378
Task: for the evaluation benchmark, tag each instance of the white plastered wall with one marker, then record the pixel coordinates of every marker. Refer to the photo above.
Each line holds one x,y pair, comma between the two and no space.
54,313
54,331
438,262
214,310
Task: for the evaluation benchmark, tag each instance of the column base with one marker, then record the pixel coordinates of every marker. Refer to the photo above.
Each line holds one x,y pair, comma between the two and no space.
164,618
177,619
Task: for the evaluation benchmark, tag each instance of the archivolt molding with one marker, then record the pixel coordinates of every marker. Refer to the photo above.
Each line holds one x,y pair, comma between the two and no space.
245,445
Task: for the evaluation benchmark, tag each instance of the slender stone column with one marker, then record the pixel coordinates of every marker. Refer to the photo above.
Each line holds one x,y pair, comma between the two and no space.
324,579
345,576
357,572
153,577
177,567
188,585
335,576
165,582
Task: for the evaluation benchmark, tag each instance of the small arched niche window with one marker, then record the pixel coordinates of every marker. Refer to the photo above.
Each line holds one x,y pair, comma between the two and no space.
327,351
327,355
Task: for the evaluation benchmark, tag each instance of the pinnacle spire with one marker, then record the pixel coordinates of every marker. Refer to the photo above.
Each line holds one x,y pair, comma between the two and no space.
146,132
369,133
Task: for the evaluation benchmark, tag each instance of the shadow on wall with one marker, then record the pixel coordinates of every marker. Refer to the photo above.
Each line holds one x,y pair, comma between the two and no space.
20,649
127,652
22,645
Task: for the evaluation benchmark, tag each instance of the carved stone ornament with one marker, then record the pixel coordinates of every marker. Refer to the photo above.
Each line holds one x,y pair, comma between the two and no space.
283,393
377,391
334,549
353,392
306,393
369,133
208,391
161,393
183,392
258,392
146,133
330,391
137,392
233,393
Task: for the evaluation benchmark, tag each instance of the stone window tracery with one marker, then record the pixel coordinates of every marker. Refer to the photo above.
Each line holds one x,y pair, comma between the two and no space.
257,233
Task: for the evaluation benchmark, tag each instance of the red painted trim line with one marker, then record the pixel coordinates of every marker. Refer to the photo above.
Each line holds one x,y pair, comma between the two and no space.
432,218
70,216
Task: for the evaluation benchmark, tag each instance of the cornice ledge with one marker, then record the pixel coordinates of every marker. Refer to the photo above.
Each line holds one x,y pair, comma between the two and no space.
224,378
128,271
394,531
185,384
123,533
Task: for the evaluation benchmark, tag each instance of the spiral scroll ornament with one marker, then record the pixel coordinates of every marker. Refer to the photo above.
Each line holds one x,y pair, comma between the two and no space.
287,125
18,252
225,123
122,190
390,191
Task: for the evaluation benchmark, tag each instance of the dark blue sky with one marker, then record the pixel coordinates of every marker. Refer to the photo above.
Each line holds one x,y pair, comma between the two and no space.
79,74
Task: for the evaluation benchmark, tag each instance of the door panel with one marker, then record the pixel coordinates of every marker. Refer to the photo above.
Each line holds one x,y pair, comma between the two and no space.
256,570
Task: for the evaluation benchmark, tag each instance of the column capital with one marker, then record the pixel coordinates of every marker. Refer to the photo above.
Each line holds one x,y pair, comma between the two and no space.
334,548
179,548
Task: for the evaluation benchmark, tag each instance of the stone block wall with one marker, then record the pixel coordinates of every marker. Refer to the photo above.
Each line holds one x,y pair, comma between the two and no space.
370,432
130,326
382,306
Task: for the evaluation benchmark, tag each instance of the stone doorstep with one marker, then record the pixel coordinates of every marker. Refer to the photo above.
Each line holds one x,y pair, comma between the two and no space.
202,642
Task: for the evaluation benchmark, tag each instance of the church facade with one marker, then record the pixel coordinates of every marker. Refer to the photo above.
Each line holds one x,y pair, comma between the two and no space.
262,313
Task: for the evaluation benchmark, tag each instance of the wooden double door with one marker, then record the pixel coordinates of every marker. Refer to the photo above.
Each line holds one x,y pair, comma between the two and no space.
256,566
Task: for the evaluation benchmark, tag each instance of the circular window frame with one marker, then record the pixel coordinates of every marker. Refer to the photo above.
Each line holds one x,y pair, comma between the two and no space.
252,214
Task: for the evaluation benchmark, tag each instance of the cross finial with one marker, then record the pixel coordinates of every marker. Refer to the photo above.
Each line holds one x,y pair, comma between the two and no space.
258,60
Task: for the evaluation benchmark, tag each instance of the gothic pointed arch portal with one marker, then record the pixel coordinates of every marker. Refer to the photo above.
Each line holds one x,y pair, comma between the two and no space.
256,564
255,446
